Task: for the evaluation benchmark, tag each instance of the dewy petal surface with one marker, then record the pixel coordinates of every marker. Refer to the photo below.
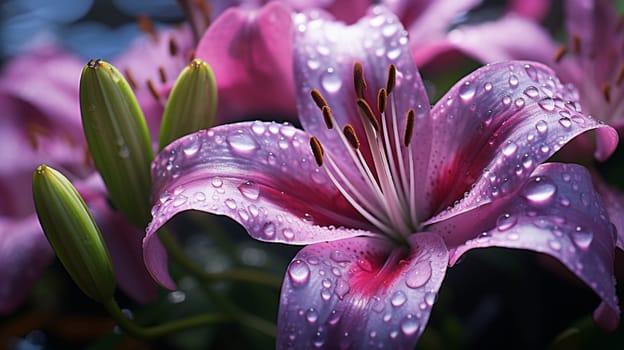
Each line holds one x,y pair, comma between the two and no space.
494,127
360,293
262,175
556,212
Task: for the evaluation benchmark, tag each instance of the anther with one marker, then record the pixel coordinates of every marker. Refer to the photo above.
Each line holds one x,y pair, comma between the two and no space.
191,55
382,98
351,137
163,74
560,53
358,79
318,98
130,79
367,112
146,26
94,63
620,75
153,90
409,128
173,47
606,91
327,117
317,150
576,44
391,79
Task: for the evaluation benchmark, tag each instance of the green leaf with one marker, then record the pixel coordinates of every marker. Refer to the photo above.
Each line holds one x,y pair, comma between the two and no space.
118,139
192,104
73,233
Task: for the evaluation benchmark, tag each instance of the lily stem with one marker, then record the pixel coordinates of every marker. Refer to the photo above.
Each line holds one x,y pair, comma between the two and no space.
133,329
235,275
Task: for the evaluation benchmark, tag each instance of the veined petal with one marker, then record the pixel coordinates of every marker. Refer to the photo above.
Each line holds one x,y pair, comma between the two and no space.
325,52
250,52
557,212
262,175
360,293
494,127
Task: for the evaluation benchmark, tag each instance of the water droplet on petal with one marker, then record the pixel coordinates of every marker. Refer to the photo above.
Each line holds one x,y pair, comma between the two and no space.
531,92
582,239
488,86
258,127
342,288
565,122
230,203
339,256
513,80
419,275
541,126
539,191
269,230
409,325
506,221
398,298
519,102
510,149
430,298
299,273
547,104
467,91
250,190
331,81
191,149
312,315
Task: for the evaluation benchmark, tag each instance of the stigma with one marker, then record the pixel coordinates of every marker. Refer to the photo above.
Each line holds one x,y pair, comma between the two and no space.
377,179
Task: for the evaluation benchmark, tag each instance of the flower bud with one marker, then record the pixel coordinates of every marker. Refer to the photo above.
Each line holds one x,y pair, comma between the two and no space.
192,104
118,139
73,233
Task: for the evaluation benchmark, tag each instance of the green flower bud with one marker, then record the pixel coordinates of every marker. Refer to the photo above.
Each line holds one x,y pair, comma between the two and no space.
192,104
118,139
73,233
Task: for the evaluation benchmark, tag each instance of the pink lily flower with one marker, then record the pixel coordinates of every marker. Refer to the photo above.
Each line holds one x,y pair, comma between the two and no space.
386,192
589,62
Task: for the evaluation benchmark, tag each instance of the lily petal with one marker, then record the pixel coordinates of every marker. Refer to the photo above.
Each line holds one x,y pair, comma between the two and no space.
494,127
361,292
539,218
262,175
250,52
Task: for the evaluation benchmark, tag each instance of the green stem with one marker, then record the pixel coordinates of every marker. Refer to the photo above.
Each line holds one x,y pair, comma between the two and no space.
135,330
235,275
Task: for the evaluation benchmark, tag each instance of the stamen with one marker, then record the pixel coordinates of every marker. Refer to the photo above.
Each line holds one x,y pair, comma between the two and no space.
367,112
560,53
620,75
191,55
382,99
163,74
606,91
153,90
391,79
317,150
327,117
409,128
318,98
173,47
130,79
350,135
576,44
358,79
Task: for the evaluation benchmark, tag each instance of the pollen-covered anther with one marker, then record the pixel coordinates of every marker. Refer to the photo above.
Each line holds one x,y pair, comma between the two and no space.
351,137
606,91
382,100
358,79
162,74
560,53
409,128
318,99
367,112
130,79
152,89
327,117
317,150
146,26
173,46
620,75
391,82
